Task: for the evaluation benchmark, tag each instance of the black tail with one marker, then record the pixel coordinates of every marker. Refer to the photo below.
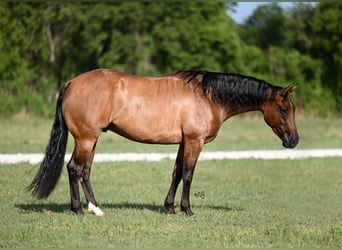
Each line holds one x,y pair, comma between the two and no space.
51,166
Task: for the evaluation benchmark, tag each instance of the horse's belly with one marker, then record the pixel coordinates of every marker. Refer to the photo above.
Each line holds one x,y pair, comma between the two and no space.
147,130
148,135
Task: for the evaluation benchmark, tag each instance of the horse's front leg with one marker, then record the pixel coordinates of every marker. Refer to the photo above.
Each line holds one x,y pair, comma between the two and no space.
176,178
192,151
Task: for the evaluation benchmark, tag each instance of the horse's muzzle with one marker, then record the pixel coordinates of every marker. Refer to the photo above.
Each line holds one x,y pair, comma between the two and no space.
290,140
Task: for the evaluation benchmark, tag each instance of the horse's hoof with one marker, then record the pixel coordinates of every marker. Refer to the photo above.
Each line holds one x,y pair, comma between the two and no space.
94,209
187,211
78,211
169,208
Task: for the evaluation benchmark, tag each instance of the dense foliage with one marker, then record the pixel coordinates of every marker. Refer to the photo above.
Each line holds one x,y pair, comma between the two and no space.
42,45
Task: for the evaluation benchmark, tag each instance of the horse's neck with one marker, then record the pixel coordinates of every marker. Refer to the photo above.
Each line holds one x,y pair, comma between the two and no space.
232,110
249,105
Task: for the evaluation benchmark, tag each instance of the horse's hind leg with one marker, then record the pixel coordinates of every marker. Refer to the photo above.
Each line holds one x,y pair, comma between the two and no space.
79,169
74,172
88,191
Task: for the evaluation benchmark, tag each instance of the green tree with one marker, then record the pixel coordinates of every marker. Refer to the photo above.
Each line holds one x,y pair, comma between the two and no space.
299,33
327,26
266,26
288,67
271,25
196,35
21,52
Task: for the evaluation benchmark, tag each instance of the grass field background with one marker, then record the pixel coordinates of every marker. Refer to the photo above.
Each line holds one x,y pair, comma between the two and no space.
238,203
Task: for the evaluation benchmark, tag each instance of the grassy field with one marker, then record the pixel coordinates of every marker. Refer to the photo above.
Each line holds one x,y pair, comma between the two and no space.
245,203
238,203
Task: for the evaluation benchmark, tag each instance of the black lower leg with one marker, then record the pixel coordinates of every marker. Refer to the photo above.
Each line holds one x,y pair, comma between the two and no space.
74,173
185,202
176,178
86,186
170,198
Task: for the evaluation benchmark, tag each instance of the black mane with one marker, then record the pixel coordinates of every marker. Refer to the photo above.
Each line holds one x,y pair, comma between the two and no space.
229,88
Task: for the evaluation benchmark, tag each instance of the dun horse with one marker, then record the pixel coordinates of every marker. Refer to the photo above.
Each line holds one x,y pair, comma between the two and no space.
185,108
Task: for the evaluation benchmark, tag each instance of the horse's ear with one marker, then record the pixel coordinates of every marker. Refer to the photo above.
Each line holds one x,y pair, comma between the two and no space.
291,88
286,91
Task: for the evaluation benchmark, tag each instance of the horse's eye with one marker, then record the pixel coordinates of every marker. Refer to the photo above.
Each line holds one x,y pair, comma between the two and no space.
283,111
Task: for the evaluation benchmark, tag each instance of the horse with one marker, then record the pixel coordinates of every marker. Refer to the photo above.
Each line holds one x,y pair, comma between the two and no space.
186,107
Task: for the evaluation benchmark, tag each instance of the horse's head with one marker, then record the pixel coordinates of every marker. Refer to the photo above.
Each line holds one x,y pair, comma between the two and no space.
279,114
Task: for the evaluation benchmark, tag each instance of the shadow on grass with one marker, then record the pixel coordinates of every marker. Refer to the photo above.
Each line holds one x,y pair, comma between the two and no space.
64,207
43,207
222,208
160,209
135,206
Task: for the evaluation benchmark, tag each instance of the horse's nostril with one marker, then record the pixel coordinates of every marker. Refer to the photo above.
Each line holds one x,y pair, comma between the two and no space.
290,140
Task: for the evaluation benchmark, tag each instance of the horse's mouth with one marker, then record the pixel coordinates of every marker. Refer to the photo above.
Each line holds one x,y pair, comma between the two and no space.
290,140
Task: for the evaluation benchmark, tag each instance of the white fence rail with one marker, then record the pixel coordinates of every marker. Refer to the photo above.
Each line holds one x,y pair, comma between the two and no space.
256,154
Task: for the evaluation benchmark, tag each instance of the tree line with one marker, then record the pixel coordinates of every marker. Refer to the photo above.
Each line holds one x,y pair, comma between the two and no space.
43,45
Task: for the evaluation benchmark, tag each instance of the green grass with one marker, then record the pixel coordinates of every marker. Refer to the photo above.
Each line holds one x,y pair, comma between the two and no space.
246,203
238,133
